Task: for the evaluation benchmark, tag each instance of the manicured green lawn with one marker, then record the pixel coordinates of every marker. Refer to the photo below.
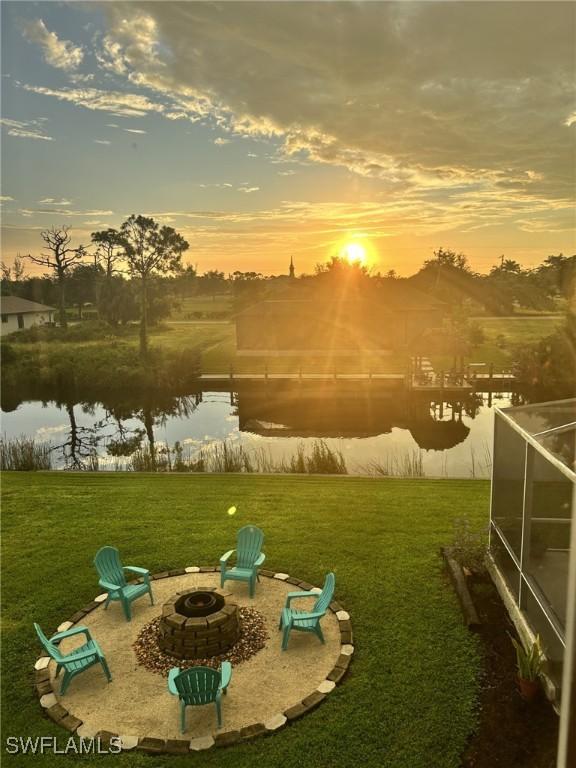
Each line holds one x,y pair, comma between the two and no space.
188,308
409,699
504,336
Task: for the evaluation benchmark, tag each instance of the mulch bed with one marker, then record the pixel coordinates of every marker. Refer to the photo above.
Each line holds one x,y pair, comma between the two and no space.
512,733
253,636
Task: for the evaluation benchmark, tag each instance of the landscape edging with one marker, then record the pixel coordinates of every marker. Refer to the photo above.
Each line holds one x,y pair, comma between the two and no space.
152,745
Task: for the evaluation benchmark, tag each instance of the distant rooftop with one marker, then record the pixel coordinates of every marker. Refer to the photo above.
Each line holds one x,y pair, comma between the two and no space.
552,425
14,305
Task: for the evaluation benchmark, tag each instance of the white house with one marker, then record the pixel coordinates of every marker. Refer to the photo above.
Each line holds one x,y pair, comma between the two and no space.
18,314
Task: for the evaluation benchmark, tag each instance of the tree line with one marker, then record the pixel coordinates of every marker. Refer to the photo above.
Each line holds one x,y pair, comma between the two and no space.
135,273
141,249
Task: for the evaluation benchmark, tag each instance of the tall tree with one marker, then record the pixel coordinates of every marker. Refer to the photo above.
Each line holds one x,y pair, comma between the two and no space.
14,273
149,251
108,254
59,256
83,285
109,249
212,282
448,277
18,269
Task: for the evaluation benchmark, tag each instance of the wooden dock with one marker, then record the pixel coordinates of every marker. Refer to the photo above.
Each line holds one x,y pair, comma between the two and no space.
421,378
232,376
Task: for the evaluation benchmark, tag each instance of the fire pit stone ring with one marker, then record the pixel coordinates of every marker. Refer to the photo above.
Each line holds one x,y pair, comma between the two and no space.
198,623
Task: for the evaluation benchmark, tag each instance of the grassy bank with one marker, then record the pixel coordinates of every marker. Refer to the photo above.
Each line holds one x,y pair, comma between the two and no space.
503,336
217,348
213,346
91,361
410,697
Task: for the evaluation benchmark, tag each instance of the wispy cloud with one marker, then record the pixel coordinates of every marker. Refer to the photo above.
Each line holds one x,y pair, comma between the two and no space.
61,54
217,185
134,130
220,142
78,79
6,199
105,142
247,190
26,129
62,212
115,102
54,201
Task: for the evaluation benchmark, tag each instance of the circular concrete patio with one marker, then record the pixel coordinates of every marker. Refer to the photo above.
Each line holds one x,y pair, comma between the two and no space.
267,691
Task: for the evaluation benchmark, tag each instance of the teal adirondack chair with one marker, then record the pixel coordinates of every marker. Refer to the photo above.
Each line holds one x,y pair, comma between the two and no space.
76,661
306,621
112,579
248,558
199,685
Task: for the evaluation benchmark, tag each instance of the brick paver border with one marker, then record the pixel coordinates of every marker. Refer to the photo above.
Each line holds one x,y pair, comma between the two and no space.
148,742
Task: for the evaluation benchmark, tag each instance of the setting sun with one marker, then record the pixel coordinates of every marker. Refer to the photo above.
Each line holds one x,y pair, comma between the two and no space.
354,252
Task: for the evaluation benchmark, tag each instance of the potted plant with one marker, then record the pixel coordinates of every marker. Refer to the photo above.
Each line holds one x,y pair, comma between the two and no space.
529,663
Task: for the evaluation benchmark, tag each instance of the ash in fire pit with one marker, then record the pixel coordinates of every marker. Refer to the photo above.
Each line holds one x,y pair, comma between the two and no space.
198,624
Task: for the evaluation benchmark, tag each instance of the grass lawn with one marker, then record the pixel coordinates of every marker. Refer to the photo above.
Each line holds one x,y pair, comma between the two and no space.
216,344
188,308
504,335
218,349
409,699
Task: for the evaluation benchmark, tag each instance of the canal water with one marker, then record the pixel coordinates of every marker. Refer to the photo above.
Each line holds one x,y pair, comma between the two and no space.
404,435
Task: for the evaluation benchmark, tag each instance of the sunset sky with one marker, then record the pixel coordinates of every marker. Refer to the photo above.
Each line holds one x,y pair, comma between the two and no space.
265,130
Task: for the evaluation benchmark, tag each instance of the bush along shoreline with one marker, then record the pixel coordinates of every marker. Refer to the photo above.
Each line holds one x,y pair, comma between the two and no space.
96,370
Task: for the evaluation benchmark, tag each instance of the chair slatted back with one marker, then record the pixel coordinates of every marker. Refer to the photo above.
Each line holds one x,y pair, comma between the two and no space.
325,597
109,566
248,545
50,648
198,685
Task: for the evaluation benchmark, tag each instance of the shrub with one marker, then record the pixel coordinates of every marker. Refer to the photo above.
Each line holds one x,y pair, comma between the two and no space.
469,547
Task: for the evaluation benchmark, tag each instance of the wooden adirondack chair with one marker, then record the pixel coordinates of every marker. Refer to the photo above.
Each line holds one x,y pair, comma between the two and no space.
112,579
306,621
198,686
76,661
248,558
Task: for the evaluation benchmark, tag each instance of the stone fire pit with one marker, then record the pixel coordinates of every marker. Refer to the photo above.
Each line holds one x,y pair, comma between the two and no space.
198,623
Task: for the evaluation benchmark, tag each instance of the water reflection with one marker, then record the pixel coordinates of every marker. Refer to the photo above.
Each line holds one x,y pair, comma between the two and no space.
374,434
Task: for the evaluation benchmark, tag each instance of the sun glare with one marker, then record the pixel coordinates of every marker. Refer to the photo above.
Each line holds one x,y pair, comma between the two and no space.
354,252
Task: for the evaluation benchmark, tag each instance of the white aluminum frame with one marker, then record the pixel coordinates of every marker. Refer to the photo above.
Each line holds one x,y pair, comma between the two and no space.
566,635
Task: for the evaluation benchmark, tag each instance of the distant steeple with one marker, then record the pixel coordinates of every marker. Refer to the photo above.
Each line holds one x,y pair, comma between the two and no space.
291,269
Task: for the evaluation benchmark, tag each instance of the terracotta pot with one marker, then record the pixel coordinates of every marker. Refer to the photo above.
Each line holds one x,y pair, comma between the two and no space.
528,688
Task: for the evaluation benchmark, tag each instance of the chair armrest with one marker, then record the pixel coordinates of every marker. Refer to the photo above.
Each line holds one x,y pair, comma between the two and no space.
81,656
70,632
295,595
109,587
260,559
225,674
140,571
224,558
172,675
